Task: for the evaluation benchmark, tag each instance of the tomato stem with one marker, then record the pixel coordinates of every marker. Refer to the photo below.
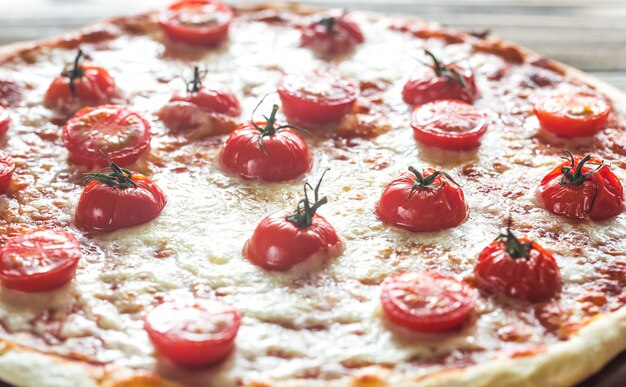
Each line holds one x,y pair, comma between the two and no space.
76,71
195,85
118,177
422,182
448,71
577,178
329,23
481,34
270,128
513,247
303,215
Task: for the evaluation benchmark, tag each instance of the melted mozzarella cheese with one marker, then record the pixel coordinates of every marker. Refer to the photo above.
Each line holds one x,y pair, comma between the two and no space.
323,322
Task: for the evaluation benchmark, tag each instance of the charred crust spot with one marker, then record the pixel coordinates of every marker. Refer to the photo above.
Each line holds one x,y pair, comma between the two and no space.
506,51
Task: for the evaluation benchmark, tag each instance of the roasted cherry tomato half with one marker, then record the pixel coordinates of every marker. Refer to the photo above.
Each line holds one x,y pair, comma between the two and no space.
115,130
287,238
441,81
582,188
195,333
266,151
449,124
197,22
518,268
316,97
420,202
118,199
572,115
426,302
39,261
200,108
80,86
5,120
7,167
332,35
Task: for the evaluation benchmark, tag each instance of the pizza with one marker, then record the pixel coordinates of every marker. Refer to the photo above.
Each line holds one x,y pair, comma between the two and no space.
278,195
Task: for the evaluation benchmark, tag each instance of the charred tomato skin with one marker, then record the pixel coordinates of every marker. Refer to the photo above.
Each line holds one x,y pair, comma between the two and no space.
278,244
533,279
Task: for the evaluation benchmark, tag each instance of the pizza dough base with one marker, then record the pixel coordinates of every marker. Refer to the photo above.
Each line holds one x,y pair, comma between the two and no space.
562,364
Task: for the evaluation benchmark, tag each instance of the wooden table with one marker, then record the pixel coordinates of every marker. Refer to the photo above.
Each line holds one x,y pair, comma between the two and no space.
590,35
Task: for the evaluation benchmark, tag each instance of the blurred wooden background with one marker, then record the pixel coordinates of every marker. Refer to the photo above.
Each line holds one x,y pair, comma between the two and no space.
588,34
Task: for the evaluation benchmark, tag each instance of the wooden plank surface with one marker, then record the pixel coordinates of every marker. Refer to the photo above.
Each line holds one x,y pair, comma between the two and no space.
590,35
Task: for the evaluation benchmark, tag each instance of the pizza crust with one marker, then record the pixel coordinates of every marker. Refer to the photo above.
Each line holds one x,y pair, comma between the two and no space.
561,364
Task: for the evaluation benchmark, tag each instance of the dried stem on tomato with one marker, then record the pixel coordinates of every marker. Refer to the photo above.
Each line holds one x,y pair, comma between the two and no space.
513,246
270,127
195,84
303,215
118,177
422,182
448,71
74,72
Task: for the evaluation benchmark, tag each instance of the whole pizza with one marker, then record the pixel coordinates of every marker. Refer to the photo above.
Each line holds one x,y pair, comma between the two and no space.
277,195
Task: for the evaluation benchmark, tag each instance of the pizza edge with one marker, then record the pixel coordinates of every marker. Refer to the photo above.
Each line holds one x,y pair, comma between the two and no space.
564,363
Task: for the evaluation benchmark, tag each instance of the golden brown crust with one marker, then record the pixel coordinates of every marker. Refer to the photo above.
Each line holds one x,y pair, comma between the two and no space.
565,363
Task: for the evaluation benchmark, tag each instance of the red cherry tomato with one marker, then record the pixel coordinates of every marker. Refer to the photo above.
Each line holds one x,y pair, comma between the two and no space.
440,82
83,85
573,115
518,268
195,333
206,111
7,166
278,244
566,191
332,35
119,132
283,155
200,108
197,22
426,302
39,261
316,97
5,120
422,202
449,124
118,199
286,238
